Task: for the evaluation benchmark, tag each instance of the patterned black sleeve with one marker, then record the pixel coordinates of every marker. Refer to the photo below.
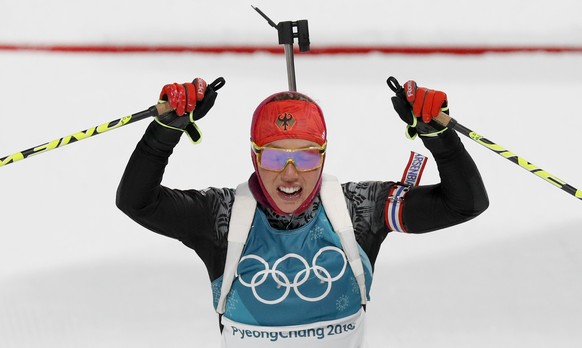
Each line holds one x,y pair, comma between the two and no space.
199,219
211,244
366,201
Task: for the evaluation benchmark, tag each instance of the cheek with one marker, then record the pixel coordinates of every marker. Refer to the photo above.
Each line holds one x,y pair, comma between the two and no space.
267,178
311,178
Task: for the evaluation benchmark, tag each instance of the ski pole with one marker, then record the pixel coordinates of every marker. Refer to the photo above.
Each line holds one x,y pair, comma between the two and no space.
287,35
152,111
447,121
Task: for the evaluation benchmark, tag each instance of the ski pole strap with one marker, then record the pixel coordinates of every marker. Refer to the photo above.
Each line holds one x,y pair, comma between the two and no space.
398,191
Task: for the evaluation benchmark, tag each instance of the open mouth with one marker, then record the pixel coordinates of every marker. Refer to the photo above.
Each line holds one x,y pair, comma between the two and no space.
289,191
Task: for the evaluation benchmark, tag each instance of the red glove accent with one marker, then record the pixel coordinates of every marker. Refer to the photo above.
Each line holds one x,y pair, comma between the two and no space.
425,102
183,97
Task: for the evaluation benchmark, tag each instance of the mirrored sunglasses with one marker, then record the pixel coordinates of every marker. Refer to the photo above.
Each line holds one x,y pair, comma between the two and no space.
276,159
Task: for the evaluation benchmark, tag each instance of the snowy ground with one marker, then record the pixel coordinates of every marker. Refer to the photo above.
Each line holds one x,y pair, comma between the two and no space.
75,272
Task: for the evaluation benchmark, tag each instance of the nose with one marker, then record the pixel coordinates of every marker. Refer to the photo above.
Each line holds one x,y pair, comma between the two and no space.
290,172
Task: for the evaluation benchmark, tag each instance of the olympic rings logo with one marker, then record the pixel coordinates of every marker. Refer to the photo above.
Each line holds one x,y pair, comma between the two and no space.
282,280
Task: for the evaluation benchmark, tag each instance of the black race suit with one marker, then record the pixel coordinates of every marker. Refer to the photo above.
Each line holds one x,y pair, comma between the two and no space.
199,218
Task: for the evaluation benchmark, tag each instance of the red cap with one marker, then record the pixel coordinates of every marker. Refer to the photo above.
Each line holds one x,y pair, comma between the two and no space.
288,119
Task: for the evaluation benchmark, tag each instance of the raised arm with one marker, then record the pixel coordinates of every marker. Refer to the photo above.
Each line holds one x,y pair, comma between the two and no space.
461,194
140,194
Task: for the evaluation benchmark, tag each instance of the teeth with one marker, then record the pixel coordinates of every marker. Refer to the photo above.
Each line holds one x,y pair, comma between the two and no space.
289,190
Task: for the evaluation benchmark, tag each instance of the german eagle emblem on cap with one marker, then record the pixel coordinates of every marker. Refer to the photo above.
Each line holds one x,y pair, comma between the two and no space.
285,121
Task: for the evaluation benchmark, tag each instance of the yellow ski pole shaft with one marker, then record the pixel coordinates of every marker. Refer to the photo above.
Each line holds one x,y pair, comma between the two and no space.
152,111
445,120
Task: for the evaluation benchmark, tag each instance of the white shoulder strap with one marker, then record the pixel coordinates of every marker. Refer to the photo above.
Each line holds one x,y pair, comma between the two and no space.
333,200
241,219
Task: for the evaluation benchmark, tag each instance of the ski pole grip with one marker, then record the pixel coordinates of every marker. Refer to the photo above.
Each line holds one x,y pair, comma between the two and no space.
444,119
163,108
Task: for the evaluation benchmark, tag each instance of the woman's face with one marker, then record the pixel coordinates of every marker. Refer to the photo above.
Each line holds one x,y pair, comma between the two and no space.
289,188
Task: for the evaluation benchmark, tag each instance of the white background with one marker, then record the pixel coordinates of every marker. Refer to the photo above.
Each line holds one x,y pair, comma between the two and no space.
76,272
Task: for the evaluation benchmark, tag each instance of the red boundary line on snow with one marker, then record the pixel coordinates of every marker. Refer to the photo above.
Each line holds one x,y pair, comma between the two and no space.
324,50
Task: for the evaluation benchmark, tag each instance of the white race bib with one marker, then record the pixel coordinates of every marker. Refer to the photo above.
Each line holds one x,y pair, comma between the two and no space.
342,333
